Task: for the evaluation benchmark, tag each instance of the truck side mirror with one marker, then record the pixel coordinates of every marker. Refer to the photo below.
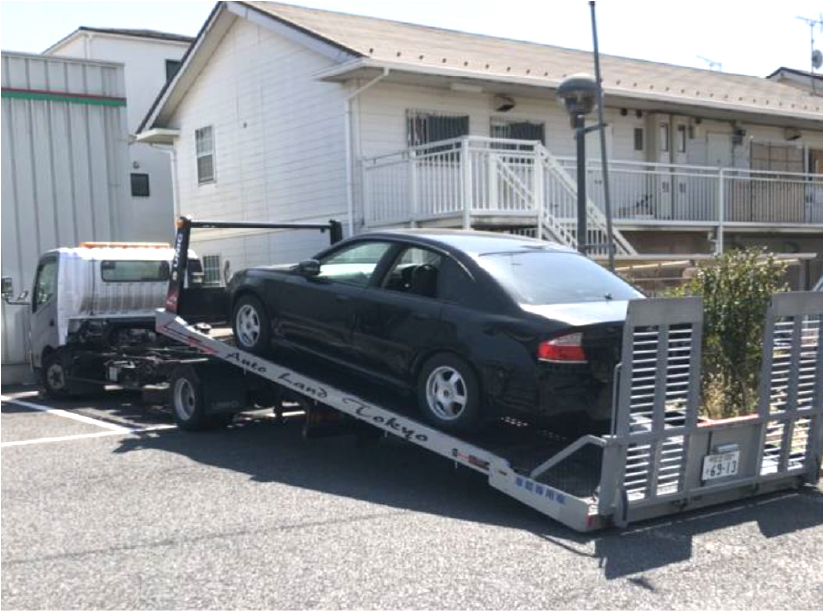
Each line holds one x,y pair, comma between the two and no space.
8,287
8,293
309,268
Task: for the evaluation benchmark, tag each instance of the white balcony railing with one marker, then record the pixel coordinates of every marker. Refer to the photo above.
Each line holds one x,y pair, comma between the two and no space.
670,193
468,178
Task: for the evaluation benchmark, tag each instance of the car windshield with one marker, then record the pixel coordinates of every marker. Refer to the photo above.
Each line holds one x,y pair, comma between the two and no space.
545,277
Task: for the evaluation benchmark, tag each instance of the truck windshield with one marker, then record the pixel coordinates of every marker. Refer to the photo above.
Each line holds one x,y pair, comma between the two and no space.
134,271
545,277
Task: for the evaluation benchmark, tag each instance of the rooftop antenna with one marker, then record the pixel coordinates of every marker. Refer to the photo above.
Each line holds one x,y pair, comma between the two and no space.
713,65
815,57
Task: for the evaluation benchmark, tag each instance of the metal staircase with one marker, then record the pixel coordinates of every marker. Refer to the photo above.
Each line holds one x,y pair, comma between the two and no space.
558,218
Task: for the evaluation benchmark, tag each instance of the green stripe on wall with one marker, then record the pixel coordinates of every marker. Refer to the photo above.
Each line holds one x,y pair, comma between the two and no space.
60,97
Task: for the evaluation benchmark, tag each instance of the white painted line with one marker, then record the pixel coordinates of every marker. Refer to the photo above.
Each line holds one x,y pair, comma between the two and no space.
66,414
28,442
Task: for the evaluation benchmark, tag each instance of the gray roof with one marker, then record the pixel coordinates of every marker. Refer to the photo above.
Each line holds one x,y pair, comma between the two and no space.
137,33
501,58
140,33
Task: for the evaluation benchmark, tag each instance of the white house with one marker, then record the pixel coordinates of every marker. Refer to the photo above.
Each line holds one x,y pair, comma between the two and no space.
150,58
287,113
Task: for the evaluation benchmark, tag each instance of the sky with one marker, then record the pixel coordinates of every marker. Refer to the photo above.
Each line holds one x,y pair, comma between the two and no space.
746,36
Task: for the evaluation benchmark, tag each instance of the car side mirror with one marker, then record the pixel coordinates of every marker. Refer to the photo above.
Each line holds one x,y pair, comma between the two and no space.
309,268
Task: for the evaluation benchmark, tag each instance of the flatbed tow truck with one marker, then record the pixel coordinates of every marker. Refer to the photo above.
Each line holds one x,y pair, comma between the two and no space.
659,458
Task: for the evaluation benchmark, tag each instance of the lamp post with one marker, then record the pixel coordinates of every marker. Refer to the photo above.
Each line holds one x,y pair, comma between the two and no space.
577,93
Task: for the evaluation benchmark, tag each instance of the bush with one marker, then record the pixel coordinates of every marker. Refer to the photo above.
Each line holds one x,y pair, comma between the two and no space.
736,288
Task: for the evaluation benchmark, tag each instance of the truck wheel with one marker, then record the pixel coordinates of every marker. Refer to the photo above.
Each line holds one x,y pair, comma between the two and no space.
54,376
449,394
188,406
251,325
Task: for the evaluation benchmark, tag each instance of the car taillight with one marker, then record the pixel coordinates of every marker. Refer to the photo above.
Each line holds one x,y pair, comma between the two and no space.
563,349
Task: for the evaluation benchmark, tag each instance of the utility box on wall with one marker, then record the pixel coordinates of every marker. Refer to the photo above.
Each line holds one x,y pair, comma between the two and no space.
65,172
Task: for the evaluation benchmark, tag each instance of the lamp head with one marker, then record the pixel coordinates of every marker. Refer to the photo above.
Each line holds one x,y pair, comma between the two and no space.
578,93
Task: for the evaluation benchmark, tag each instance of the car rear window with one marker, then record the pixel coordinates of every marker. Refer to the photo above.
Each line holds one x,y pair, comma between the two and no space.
544,277
134,271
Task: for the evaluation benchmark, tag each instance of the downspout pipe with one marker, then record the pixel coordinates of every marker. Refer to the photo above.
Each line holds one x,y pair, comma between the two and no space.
349,137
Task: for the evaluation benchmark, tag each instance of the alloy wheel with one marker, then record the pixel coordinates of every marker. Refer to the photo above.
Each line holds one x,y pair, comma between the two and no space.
248,325
446,393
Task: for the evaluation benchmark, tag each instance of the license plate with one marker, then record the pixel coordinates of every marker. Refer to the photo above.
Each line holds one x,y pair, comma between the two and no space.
725,464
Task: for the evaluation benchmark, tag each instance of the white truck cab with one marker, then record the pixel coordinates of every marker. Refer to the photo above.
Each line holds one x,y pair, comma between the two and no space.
95,299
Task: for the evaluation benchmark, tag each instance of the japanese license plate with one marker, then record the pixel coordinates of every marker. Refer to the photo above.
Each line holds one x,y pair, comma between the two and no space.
720,465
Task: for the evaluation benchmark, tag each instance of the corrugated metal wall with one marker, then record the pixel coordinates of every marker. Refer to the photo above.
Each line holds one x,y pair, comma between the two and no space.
65,171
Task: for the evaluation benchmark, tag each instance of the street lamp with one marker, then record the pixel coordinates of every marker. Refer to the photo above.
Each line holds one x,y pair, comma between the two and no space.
577,93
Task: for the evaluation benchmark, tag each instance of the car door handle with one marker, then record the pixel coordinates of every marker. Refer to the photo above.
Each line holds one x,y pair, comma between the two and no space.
420,316
342,298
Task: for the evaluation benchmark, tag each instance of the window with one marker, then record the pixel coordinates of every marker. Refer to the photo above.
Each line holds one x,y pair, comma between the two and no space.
424,127
134,271
355,264
204,150
140,185
46,283
664,137
776,157
172,66
211,270
416,272
638,138
681,138
540,278
517,130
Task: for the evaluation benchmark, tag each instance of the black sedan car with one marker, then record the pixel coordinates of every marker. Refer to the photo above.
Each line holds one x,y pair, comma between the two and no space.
477,324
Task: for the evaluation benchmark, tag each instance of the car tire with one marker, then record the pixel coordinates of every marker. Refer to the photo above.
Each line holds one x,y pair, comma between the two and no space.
188,406
251,325
449,394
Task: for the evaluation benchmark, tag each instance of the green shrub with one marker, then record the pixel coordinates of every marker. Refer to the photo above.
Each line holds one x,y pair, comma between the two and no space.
736,288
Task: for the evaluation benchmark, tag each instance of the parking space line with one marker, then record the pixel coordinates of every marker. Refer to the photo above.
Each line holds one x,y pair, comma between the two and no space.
125,431
66,414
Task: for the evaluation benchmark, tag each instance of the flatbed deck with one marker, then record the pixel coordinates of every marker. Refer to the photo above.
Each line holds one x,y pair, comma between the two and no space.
657,458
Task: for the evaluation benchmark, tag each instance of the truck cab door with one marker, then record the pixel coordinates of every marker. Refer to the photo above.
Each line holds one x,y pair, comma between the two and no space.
43,329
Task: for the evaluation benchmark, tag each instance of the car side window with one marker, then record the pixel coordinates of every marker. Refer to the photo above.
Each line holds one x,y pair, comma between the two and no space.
353,265
415,271
46,284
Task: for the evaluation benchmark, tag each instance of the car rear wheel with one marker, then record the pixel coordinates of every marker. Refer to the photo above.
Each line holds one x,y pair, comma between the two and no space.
449,394
251,325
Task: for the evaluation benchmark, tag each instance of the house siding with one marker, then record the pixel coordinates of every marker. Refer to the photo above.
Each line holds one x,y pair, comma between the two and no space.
382,113
279,145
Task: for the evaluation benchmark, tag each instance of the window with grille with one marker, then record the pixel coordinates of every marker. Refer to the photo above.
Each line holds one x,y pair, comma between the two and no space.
204,151
425,127
211,270
517,130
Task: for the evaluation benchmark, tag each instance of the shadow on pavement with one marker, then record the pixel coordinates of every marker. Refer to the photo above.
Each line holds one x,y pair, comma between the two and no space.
403,476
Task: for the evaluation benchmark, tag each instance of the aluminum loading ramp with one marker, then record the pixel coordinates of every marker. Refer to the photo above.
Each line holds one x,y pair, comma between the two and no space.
660,458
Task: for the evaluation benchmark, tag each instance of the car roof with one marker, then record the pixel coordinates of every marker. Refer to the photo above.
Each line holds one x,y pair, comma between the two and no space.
474,243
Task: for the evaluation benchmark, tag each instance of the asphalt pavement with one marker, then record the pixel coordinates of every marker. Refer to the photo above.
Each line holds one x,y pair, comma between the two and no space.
106,505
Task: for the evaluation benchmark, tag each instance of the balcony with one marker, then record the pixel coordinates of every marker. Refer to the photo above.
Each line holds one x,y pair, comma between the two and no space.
516,184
